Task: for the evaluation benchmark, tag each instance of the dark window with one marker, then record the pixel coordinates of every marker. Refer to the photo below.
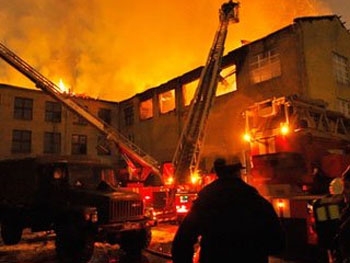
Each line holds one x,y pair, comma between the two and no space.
79,144
105,115
341,69
52,142
265,66
53,111
23,109
21,141
77,119
129,116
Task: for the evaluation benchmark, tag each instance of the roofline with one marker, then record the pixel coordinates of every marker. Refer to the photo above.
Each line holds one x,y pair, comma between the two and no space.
27,89
239,49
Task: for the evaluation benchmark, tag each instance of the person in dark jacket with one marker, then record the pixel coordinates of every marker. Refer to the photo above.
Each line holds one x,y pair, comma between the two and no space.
232,221
327,211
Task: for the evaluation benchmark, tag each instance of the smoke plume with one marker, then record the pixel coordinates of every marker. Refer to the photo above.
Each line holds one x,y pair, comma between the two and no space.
113,49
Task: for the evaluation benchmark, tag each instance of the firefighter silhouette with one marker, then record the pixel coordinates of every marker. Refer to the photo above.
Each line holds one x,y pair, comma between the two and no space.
327,213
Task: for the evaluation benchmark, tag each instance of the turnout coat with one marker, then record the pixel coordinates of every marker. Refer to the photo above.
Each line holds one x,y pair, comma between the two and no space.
234,224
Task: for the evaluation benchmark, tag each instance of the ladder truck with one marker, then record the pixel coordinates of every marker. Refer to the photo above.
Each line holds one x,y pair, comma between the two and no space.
187,154
288,137
122,217
186,157
129,151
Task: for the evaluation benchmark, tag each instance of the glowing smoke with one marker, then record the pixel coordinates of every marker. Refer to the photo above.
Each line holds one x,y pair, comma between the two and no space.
114,49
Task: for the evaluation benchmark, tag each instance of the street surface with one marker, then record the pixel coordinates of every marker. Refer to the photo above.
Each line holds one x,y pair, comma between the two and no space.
40,248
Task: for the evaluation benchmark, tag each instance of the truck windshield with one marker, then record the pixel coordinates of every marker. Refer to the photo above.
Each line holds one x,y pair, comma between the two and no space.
89,177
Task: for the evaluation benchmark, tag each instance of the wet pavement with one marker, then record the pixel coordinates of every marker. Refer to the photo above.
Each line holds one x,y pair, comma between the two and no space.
40,248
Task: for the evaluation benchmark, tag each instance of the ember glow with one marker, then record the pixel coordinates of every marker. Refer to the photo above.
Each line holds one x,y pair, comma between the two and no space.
114,49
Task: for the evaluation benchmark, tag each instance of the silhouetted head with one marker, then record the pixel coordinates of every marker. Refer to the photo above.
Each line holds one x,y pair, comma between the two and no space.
336,186
224,170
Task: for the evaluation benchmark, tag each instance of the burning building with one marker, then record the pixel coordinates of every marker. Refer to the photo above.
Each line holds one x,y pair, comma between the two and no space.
308,58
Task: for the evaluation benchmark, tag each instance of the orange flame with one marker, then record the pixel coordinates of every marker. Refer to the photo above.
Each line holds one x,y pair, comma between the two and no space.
63,87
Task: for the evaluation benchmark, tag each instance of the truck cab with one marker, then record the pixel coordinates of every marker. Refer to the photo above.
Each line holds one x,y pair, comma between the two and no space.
77,197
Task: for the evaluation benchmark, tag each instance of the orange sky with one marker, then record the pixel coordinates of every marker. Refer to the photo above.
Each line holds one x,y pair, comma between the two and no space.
111,49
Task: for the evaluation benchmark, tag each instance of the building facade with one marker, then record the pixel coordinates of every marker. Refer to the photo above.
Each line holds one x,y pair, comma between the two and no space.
33,123
309,58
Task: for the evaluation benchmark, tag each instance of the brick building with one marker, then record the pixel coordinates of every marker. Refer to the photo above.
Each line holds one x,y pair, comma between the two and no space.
309,58
32,123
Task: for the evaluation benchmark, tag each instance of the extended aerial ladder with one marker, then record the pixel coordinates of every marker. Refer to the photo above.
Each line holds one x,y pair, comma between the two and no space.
128,148
187,154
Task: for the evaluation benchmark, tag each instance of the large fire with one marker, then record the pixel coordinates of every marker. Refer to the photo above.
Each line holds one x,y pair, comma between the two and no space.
114,49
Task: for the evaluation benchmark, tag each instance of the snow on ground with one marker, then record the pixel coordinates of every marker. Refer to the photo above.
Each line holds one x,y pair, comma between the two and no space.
163,233
40,247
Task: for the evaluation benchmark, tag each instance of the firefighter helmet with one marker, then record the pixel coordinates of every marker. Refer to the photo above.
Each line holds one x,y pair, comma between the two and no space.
336,186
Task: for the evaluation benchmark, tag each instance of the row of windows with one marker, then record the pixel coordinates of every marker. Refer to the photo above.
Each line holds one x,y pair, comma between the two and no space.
167,99
22,143
23,110
263,66
267,65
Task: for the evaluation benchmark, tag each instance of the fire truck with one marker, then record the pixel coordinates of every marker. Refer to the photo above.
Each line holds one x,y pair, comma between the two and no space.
187,154
117,216
181,179
114,139
287,136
